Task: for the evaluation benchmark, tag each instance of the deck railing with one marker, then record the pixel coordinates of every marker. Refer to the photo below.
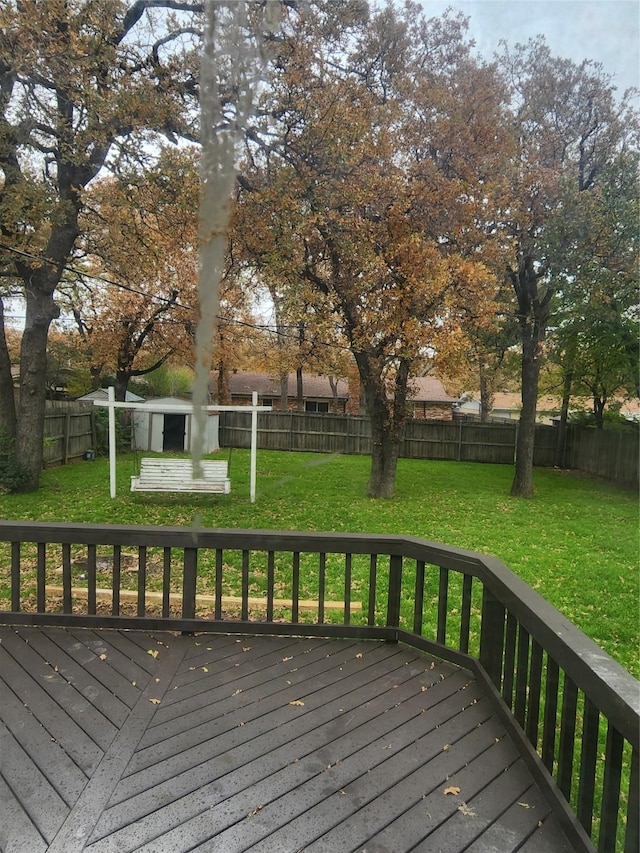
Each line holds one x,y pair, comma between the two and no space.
576,707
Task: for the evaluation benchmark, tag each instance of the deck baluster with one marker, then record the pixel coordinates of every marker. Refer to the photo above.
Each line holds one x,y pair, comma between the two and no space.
41,593
66,578
632,840
509,670
443,605
522,676
611,791
142,580
373,572
395,591
244,609
566,748
271,571
166,581
588,761
348,560
533,699
117,570
550,714
322,582
218,584
91,579
418,595
295,588
465,613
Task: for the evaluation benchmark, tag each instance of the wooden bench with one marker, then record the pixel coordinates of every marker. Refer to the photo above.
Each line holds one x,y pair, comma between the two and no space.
176,475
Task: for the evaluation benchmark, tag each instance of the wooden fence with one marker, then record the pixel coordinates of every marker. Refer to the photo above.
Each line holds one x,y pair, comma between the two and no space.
611,455
69,432
459,441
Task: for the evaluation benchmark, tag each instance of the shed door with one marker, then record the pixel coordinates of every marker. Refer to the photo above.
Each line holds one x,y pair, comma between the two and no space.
174,430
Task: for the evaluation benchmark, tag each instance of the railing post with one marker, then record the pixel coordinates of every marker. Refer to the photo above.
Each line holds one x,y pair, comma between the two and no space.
395,588
492,636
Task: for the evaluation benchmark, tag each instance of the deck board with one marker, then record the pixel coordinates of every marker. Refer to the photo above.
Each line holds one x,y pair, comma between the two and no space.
116,741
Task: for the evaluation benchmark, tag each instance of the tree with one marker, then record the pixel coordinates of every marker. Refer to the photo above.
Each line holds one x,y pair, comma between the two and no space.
568,127
369,198
83,85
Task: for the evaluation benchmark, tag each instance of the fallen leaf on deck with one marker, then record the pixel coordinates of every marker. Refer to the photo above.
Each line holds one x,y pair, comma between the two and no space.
453,789
204,669
359,655
103,657
154,701
153,653
466,810
525,805
298,702
284,660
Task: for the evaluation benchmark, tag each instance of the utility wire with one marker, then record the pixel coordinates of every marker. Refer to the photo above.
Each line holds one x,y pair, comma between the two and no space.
260,327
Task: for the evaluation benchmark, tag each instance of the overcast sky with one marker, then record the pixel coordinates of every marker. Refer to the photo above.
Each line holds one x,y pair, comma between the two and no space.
607,31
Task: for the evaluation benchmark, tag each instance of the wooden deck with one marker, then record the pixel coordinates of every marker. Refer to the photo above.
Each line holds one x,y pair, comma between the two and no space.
115,741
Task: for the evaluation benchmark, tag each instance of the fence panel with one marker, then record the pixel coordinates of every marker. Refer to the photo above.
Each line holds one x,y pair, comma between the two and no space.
613,455
68,433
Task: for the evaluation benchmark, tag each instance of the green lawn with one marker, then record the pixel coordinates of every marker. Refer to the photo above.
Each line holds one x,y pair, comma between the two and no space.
576,542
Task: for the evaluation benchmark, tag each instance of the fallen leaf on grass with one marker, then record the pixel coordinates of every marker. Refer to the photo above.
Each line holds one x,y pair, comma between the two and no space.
453,789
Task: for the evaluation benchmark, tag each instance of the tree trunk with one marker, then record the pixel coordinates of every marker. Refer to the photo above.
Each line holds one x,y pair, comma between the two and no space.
522,485
486,397
40,311
388,418
533,316
561,443
284,391
384,458
299,390
8,424
122,383
598,410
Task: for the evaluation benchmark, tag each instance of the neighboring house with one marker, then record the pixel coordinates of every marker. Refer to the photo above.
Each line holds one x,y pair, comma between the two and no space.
429,400
318,395
507,406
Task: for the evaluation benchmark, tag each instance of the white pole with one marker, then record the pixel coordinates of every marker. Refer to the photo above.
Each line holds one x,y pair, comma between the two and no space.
254,443
112,441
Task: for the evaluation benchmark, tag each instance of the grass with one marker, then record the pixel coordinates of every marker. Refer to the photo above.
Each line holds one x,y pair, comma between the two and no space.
576,542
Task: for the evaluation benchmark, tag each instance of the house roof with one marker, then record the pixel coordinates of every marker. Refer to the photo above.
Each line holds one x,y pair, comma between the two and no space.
243,383
428,389
103,394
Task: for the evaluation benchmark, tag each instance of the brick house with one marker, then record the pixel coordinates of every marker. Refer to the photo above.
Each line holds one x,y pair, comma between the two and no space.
428,396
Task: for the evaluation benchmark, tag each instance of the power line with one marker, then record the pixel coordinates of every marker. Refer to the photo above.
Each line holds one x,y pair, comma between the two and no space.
261,327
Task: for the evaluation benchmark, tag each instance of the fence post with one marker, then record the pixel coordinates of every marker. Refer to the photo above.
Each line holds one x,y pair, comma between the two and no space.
460,440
